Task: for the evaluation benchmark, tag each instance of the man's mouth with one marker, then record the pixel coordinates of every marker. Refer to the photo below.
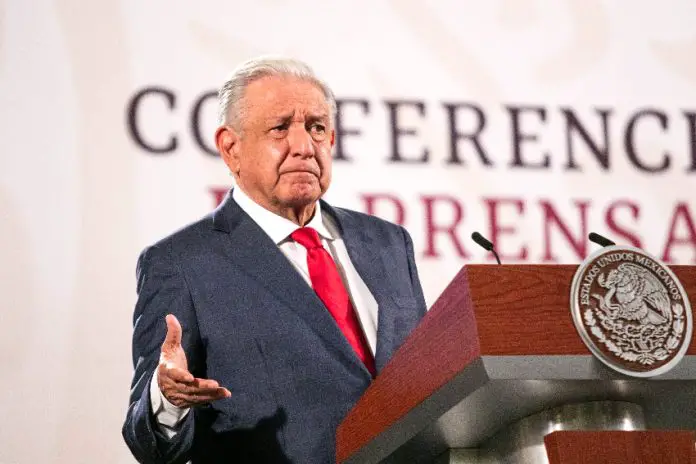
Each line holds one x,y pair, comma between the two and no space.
300,171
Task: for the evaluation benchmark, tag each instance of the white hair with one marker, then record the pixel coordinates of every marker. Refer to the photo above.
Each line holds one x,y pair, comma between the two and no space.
232,92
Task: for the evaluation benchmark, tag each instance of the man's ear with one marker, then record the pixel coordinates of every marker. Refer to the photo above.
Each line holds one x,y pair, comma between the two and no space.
333,137
227,141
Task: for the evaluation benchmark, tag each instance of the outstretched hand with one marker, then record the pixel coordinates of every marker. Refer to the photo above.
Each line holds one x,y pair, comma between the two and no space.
175,381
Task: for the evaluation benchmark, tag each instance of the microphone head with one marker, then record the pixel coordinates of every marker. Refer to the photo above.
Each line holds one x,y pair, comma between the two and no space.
600,240
482,241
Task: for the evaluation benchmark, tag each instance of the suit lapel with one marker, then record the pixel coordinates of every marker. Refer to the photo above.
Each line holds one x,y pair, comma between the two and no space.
255,254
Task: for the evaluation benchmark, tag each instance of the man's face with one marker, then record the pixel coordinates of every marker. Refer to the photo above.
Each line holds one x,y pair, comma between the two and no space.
282,158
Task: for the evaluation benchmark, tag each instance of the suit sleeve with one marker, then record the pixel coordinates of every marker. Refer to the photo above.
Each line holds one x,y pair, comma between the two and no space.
413,271
161,290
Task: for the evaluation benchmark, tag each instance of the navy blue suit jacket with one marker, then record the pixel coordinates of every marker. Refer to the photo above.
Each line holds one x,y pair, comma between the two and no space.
252,323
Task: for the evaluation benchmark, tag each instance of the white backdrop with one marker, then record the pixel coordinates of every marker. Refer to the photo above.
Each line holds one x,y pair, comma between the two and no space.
596,99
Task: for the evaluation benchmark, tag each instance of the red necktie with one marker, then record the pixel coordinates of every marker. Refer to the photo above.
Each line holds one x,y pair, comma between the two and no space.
328,285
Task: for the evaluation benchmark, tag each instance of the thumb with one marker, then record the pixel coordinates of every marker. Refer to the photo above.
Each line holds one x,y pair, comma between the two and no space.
173,338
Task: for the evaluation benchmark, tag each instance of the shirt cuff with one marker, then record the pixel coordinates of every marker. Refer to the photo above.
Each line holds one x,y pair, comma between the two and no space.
165,413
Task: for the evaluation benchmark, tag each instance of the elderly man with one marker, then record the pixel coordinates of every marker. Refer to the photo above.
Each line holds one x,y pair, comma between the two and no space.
258,327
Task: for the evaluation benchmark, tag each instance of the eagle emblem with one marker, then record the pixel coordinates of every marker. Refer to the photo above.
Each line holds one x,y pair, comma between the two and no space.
639,295
631,311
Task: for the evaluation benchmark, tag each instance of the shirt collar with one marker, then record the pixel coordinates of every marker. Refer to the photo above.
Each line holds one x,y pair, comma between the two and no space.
277,227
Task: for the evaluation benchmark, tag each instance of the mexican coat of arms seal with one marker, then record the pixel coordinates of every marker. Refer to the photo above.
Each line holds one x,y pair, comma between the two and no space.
631,311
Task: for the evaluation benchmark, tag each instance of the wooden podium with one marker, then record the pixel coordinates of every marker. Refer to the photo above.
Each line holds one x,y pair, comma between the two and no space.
497,365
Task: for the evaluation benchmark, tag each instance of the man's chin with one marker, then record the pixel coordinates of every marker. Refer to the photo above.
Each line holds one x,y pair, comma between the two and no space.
301,197
300,201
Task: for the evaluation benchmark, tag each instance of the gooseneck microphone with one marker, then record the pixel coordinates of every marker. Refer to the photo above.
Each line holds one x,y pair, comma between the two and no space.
600,240
485,244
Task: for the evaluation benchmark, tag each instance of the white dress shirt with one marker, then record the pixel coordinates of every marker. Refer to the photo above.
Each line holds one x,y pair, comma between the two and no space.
279,229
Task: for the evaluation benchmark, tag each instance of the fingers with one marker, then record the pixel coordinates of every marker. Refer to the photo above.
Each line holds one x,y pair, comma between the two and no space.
187,400
217,392
182,389
205,384
186,396
173,338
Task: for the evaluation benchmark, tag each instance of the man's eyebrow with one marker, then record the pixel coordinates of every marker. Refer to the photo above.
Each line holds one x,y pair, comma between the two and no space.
286,117
318,117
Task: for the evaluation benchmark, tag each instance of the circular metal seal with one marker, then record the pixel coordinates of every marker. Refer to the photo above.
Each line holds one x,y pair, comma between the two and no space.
631,311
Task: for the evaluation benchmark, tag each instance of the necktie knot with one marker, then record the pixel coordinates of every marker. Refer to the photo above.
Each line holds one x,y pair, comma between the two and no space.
307,237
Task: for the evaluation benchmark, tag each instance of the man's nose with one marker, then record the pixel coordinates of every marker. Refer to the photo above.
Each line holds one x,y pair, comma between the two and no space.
300,141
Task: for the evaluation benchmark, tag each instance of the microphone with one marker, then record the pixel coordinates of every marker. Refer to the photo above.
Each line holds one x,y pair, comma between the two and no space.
599,240
485,244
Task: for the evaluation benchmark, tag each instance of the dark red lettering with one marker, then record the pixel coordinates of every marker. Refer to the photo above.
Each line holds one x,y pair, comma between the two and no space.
681,215
371,200
433,228
578,242
613,211
496,230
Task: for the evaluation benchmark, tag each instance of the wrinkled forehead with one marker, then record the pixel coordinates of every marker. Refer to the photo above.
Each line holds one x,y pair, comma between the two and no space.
281,97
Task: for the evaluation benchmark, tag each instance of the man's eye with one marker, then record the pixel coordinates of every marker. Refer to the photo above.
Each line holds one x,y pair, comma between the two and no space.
318,128
280,127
